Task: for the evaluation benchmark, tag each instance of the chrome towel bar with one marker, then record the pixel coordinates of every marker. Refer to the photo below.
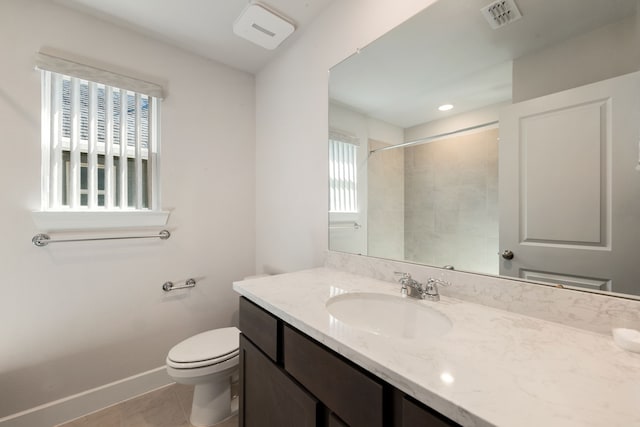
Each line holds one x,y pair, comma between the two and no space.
41,239
348,225
169,286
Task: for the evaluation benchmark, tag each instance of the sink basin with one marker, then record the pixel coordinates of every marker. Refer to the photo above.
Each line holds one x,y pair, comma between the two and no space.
388,315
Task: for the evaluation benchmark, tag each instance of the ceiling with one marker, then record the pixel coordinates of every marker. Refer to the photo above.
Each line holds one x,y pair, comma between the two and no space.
203,27
448,53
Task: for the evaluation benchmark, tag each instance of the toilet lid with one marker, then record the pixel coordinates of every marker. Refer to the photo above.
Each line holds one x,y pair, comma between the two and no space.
206,346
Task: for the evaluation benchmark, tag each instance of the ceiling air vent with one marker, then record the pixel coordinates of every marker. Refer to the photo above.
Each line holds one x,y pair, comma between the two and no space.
501,12
262,26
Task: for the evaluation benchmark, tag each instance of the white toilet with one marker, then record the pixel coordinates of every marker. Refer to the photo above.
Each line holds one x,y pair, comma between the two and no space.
209,361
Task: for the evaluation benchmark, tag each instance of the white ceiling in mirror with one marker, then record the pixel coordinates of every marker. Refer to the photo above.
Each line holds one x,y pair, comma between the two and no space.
474,62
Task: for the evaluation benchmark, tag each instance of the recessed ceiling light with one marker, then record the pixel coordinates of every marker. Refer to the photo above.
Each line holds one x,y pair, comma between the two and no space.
445,107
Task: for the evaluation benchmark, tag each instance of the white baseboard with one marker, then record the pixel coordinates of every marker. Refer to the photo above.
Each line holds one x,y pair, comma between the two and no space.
80,404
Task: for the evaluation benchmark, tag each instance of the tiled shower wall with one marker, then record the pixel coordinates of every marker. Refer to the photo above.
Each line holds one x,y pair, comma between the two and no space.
385,211
451,202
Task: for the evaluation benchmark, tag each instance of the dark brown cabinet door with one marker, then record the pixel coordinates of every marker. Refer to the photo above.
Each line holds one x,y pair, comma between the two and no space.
334,421
352,395
268,397
260,327
415,414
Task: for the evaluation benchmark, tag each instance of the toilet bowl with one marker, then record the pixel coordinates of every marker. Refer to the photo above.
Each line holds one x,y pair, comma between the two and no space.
208,361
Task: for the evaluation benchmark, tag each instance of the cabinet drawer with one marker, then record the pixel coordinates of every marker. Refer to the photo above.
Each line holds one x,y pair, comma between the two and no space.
415,414
351,394
268,396
260,327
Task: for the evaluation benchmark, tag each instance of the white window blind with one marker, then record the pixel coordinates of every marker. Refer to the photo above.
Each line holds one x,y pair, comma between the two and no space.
99,143
343,173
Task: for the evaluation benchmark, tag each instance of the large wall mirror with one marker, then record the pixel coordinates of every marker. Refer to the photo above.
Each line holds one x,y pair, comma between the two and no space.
501,140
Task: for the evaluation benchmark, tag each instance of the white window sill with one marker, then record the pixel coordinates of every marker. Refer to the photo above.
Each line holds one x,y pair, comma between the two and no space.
85,220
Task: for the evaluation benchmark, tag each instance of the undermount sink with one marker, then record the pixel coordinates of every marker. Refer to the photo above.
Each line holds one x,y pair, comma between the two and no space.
388,315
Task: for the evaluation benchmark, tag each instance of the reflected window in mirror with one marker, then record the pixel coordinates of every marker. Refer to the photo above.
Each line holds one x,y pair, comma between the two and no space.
343,173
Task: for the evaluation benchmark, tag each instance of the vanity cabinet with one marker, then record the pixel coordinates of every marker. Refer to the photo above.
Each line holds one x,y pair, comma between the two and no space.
289,379
352,395
416,414
268,396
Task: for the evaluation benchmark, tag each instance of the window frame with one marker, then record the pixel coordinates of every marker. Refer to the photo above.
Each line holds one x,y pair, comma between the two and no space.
53,216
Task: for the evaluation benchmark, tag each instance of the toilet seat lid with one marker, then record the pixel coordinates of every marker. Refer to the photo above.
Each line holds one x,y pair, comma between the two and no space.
206,346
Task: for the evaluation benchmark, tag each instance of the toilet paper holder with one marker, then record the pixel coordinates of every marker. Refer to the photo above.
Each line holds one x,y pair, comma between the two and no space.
169,286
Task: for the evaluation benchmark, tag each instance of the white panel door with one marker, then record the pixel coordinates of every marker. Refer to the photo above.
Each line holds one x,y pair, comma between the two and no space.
570,188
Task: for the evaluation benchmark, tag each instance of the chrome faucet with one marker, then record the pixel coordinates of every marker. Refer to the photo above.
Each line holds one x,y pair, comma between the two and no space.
414,289
410,286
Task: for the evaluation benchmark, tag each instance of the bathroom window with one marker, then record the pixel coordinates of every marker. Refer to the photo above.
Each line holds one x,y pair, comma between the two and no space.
99,143
100,138
343,173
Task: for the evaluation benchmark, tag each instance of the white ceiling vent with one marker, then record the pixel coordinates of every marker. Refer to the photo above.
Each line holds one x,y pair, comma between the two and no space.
262,27
501,12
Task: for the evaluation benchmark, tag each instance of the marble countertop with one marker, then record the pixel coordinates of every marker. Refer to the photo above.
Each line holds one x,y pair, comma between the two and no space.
493,368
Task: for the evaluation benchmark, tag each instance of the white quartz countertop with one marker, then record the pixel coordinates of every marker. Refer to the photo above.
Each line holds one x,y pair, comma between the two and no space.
493,368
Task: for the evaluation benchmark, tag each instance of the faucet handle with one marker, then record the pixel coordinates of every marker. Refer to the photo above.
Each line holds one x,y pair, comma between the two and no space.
404,279
433,283
431,291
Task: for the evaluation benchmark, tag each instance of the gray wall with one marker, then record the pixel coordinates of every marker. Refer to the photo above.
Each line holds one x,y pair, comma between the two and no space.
609,51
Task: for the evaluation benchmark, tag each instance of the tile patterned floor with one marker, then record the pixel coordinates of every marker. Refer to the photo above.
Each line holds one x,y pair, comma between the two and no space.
166,407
